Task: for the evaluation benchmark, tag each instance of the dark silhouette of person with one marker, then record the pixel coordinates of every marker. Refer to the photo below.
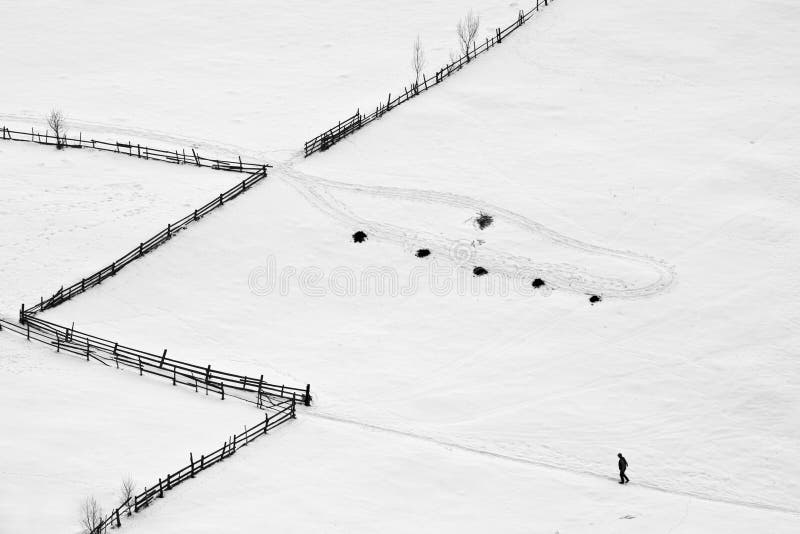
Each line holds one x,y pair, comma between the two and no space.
623,465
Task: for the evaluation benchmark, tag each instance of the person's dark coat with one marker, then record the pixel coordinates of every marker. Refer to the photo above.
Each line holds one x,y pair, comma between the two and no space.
623,463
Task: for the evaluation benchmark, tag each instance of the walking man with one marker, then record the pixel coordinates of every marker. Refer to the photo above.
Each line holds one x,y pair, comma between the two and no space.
623,465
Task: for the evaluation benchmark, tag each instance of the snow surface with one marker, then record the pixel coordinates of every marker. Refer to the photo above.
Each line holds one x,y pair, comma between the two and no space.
264,74
641,150
67,213
71,429
365,480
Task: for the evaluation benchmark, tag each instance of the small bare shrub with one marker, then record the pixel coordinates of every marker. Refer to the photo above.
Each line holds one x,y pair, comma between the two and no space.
91,516
126,492
467,30
56,122
417,63
483,220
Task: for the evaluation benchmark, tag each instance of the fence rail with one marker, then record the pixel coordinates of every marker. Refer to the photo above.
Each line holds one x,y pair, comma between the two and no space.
130,149
283,413
255,391
66,293
354,123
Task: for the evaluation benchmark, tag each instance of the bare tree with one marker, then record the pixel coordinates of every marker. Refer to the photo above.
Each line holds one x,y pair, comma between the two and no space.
56,122
467,30
126,492
91,516
418,62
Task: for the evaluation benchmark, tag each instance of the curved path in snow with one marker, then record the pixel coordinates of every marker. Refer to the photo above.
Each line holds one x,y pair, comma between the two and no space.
579,278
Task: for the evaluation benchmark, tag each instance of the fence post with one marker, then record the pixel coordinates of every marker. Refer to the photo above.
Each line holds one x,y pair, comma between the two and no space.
266,422
222,389
163,357
220,199
140,364
195,215
119,524
141,251
202,461
191,462
113,268
22,314
87,349
293,415
174,374
169,481
58,342
308,395
260,381
160,490
169,230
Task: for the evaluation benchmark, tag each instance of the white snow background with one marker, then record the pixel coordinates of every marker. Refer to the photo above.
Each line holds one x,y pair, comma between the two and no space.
642,150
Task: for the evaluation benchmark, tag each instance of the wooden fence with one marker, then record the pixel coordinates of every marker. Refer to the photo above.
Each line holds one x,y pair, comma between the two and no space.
281,413
66,293
130,149
255,391
346,127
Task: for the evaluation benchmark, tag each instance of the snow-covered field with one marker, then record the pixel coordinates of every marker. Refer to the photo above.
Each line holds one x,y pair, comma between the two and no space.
66,213
366,480
260,74
641,151
71,429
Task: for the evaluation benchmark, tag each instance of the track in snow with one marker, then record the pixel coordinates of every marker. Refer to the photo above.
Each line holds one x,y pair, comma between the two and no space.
562,275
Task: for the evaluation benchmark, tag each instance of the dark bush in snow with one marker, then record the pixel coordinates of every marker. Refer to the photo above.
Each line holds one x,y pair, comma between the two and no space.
423,252
537,283
359,237
483,220
594,298
479,271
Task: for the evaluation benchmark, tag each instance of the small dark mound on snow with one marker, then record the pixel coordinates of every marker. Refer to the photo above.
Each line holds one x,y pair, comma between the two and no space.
594,298
359,237
484,220
423,253
537,283
479,271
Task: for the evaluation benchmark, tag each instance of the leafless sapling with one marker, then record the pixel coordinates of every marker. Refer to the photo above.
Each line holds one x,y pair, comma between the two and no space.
126,493
91,516
56,122
418,63
467,30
